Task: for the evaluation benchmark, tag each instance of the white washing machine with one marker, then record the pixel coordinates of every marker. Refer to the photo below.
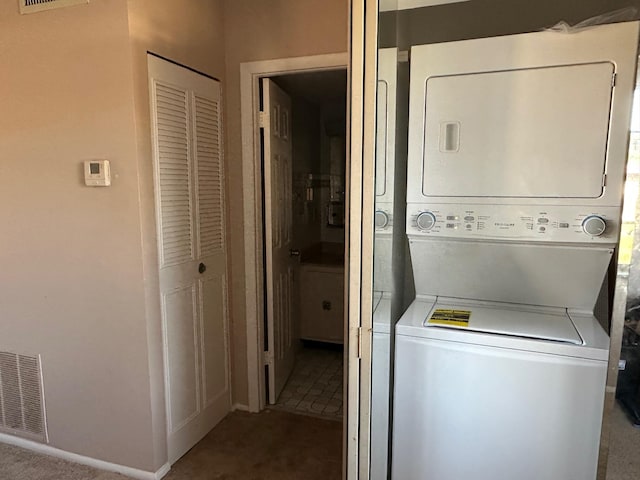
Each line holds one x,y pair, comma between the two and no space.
512,395
517,152
380,384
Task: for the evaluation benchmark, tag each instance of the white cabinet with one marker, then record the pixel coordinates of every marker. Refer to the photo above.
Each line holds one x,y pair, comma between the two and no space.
322,302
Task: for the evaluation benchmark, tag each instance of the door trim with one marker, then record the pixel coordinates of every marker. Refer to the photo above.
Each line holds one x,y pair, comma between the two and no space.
363,44
250,74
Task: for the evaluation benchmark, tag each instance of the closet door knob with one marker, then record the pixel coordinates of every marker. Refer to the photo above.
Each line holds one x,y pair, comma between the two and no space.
202,268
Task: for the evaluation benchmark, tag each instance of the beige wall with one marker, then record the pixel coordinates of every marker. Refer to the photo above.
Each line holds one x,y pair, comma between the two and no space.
190,33
305,143
79,270
70,255
260,30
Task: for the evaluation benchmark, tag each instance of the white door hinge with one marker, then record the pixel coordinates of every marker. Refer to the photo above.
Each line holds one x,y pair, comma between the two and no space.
359,342
262,119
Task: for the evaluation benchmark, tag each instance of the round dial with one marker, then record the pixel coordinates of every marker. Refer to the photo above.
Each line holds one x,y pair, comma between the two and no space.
426,221
381,219
594,225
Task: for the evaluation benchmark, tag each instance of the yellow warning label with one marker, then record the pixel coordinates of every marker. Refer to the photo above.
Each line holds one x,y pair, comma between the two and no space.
457,318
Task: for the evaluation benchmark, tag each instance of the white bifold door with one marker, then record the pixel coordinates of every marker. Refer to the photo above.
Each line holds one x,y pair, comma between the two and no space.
187,157
278,236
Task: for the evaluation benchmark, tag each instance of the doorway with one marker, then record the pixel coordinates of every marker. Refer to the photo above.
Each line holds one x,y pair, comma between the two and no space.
303,145
255,296
252,75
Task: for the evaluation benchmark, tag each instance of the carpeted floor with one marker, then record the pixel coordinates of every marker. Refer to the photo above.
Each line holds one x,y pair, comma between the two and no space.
273,445
624,448
19,464
267,446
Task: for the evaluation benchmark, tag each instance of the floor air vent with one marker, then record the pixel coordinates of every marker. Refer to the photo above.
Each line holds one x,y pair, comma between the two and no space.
21,398
32,6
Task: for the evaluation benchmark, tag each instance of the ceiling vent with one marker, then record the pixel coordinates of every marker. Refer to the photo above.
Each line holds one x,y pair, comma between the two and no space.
32,6
21,396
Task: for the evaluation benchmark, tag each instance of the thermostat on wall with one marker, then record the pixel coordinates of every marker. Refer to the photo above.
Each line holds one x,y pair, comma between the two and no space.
97,173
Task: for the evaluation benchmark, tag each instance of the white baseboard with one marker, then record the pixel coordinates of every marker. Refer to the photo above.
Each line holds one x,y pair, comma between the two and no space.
81,459
240,406
164,469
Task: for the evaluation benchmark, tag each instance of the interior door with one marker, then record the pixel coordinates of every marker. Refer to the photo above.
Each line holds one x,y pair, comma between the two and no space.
278,232
188,168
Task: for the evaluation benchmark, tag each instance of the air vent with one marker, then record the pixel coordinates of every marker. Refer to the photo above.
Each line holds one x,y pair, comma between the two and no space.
21,398
32,6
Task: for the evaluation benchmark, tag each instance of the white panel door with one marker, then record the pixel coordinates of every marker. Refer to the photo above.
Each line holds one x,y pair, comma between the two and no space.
187,147
278,233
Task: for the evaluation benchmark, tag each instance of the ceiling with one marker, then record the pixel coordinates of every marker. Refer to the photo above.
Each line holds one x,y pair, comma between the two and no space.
315,87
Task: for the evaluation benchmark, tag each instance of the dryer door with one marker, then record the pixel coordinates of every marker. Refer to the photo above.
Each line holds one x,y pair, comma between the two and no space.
518,133
535,117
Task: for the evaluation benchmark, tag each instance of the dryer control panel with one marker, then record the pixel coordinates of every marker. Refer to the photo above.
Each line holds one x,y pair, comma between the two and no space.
569,224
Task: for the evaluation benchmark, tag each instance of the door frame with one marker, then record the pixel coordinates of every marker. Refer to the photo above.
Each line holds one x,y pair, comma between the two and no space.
252,194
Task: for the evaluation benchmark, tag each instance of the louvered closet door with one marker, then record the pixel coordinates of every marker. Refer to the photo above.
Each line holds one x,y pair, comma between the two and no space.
187,137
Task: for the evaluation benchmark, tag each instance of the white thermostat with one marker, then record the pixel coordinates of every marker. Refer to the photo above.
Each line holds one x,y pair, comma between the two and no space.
97,173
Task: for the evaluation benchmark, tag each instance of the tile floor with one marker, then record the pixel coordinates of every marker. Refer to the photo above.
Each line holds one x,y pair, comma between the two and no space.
315,386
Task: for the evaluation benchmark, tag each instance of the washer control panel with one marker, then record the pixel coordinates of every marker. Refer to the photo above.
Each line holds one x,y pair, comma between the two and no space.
383,217
594,225
518,222
425,221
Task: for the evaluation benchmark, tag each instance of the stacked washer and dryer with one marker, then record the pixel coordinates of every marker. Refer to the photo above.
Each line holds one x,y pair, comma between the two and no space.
516,166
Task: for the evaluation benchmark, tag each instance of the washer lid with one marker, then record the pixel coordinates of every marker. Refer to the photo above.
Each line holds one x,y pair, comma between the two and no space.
377,296
518,321
381,312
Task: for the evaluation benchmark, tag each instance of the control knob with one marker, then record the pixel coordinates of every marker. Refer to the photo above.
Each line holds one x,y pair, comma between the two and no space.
426,221
594,225
381,219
